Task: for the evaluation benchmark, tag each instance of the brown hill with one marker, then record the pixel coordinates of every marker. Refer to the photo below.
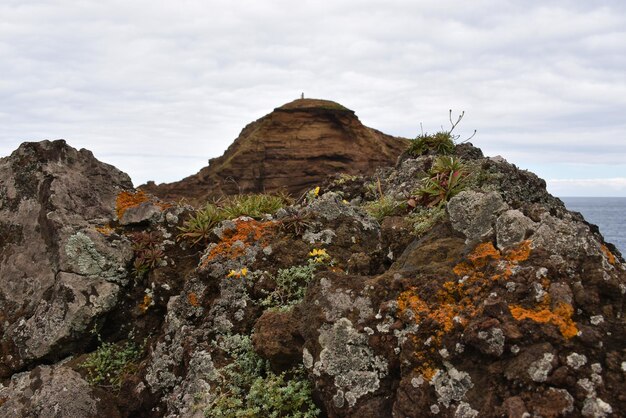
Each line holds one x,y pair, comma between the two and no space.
292,149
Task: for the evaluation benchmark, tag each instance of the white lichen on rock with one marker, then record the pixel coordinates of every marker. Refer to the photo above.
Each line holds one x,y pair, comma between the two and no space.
539,369
451,384
576,361
347,357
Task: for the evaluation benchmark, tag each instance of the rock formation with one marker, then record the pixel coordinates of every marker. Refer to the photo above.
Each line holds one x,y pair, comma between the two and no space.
291,149
499,302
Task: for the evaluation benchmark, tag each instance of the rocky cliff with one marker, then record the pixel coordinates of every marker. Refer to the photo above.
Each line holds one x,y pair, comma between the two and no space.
291,149
362,299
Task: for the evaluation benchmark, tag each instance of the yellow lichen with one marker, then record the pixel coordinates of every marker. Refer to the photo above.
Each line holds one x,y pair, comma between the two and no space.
561,316
126,200
235,242
193,299
146,303
609,255
105,230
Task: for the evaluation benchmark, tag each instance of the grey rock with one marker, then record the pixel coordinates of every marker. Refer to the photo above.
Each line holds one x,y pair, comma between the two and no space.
52,199
474,213
54,392
144,212
512,227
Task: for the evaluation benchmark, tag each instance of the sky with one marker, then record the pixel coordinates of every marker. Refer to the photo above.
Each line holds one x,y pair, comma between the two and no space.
157,88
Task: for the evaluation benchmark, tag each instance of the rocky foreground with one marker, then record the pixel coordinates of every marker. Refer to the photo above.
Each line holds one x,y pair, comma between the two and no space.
496,303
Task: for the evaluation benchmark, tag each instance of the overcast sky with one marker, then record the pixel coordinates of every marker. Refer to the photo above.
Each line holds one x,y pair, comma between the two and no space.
156,88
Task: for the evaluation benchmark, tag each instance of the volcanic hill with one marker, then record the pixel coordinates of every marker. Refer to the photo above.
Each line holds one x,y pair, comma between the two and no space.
292,149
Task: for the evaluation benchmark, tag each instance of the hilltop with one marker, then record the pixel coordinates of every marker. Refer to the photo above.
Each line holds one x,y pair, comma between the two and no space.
291,149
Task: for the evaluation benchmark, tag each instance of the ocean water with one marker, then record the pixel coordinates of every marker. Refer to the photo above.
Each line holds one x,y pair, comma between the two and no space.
609,213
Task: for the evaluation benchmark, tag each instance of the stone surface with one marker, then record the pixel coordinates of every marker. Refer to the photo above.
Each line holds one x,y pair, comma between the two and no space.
58,274
55,392
474,214
506,304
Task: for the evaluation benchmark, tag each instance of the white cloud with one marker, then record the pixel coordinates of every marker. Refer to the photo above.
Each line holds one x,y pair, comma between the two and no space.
541,82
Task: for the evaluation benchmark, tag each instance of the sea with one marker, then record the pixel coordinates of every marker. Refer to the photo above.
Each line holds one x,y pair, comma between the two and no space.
609,213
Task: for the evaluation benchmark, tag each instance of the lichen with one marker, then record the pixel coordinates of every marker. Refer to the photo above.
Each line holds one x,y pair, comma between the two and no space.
82,253
127,199
451,385
347,357
539,369
561,316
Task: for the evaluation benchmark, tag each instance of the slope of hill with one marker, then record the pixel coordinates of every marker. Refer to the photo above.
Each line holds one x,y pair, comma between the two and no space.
291,149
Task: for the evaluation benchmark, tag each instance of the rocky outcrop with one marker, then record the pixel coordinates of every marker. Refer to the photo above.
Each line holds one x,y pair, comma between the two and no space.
292,149
499,303
59,273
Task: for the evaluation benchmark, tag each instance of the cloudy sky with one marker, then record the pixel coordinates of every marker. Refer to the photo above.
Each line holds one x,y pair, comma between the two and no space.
157,88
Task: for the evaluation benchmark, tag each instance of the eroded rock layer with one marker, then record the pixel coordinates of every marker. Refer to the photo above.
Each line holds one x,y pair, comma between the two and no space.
291,149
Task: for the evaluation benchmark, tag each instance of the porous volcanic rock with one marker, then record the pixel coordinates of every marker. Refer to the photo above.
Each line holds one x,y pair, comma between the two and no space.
501,303
292,149
58,273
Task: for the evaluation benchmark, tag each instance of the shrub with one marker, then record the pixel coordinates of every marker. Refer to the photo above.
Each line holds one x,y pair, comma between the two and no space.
111,363
198,227
440,143
250,389
291,286
447,177
384,206
253,205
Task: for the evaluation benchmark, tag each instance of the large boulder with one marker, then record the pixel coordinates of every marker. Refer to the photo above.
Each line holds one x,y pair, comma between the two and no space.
61,265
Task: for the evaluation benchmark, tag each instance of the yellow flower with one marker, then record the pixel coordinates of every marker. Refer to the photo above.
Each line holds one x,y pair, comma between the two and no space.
317,252
238,273
316,192
319,255
345,202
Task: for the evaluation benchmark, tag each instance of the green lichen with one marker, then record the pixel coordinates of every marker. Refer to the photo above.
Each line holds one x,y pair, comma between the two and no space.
82,254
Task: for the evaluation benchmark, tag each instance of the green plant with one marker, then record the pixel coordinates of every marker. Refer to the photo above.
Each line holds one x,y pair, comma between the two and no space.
440,143
291,285
447,177
383,207
250,389
253,205
197,229
111,363
148,251
423,219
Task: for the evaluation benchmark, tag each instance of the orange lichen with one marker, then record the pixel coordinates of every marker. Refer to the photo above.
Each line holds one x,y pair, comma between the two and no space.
146,303
193,299
235,241
126,200
105,230
609,255
561,316
519,253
